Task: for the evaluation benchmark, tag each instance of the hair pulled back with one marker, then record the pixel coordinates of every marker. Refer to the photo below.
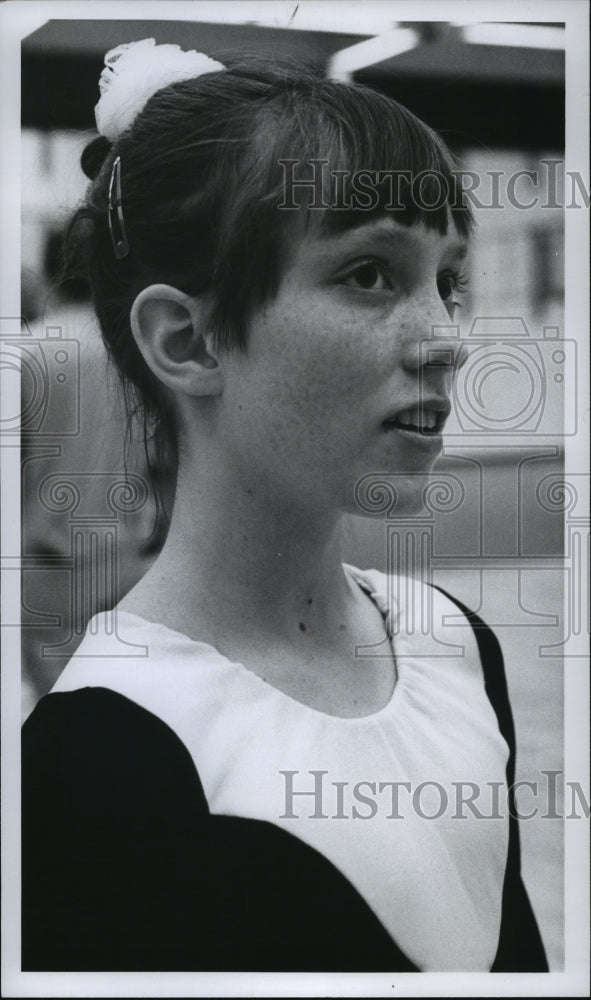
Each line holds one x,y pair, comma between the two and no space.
202,182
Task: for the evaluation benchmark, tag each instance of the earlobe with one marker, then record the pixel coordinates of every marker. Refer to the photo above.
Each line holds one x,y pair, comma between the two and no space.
171,330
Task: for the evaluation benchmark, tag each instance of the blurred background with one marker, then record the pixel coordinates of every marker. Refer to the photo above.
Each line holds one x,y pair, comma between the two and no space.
494,534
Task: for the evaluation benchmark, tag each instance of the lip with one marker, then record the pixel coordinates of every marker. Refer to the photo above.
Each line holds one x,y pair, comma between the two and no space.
437,404
428,443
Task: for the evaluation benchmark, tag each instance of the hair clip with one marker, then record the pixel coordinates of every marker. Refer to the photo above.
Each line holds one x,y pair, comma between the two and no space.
116,223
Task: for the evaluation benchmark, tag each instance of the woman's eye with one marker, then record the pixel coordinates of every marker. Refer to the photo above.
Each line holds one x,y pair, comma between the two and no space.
450,284
369,277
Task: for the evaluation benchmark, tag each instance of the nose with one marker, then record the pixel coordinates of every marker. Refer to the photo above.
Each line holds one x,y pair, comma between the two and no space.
447,352
433,344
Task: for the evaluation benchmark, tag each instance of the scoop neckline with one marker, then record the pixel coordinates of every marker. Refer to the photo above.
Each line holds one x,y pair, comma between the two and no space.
360,577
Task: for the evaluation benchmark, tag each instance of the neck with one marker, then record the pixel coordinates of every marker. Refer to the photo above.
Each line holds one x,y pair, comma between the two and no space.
233,559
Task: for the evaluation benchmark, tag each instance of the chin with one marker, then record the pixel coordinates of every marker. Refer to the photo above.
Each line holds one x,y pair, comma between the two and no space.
390,494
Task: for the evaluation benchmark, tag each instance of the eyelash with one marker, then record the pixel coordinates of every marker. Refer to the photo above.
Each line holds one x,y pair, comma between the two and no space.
379,266
457,279
459,283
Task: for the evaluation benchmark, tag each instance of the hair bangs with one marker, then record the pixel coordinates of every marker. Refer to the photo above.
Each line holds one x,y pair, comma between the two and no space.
362,155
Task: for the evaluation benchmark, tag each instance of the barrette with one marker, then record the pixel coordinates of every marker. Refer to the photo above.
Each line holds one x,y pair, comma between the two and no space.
116,221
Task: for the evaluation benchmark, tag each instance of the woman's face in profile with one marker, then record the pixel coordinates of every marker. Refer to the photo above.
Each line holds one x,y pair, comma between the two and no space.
334,384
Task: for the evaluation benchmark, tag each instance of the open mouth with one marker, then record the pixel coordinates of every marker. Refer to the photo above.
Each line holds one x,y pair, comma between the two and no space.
417,420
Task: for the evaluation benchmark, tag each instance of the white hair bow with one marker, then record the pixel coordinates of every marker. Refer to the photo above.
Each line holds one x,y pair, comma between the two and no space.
134,72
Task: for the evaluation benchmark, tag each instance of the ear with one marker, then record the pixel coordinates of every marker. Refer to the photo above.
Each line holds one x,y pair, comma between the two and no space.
171,330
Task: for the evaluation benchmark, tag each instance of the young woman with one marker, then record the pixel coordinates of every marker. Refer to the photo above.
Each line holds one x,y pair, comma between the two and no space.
269,253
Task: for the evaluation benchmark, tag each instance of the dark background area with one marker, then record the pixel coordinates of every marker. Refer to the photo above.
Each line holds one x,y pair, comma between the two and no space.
487,95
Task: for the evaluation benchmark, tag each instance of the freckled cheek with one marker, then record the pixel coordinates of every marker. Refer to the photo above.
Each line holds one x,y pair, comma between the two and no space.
313,362
337,358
